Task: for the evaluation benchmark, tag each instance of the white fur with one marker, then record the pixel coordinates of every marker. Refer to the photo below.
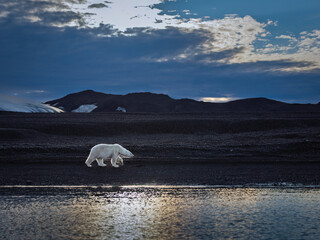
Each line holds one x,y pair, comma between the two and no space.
102,152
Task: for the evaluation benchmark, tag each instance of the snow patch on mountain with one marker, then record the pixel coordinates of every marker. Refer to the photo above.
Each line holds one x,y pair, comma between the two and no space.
15,104
121,109
85,108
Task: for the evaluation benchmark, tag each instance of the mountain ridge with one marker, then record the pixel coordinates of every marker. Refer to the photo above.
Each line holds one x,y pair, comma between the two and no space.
161,103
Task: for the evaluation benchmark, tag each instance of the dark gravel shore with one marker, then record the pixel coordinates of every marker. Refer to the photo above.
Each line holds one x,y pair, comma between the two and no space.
160,173
212,149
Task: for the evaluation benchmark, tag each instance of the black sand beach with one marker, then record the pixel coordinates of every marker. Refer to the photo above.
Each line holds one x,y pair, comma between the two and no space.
206,149
161,173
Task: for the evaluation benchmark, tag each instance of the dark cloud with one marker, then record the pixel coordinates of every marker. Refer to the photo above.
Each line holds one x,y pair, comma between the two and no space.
97,5
51,18
212,57
19,8
39,12
273,67
149,44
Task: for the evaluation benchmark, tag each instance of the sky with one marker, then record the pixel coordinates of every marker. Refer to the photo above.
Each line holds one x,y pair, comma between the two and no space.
210,50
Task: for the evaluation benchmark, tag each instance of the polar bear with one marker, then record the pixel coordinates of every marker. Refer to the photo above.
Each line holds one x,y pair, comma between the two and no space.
101,152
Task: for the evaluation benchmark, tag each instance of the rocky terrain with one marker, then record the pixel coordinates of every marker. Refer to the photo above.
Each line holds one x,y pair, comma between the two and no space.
279,146
236,137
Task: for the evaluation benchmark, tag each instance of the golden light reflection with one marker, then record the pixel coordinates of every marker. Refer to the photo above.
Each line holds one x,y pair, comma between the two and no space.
156,212
162,213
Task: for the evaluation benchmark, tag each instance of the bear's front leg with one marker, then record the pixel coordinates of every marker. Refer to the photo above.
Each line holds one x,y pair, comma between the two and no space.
113,163
100,163
120,161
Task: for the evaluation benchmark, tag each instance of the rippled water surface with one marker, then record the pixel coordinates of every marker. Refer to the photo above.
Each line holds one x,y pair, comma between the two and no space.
159,213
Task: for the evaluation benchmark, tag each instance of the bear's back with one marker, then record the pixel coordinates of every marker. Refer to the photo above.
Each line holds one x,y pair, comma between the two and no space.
103,150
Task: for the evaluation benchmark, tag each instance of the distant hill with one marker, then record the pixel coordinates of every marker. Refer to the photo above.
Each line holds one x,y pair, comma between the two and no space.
91,101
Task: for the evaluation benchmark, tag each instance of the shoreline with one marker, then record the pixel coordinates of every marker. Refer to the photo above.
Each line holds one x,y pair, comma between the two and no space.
160,161
160,173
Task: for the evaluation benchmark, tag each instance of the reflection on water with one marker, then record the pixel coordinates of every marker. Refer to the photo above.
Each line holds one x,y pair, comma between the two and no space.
159,213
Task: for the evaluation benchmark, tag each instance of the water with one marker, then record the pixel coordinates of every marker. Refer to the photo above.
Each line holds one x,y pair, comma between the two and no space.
159,213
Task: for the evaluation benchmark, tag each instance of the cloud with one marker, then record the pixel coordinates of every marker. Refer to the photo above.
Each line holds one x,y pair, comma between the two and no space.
97,5
35,91
230,40
38,93
302,52
286,37
4,14
60,19
71,60
50,12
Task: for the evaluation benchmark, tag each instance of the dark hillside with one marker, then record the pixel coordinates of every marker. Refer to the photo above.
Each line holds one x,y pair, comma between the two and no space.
159,103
